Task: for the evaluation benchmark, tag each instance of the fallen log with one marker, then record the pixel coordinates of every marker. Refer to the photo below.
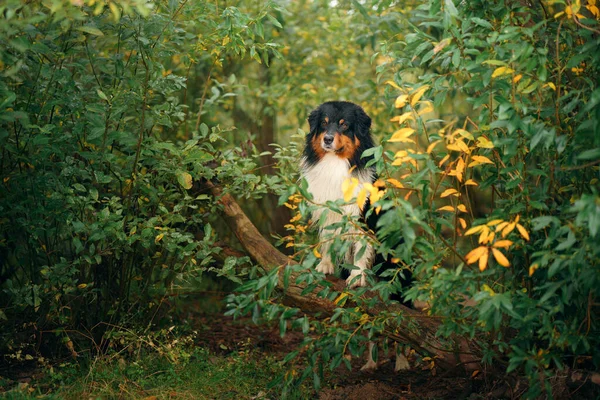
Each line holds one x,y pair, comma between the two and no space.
463,354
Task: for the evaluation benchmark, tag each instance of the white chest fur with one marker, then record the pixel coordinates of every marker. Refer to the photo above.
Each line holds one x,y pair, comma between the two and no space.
326,177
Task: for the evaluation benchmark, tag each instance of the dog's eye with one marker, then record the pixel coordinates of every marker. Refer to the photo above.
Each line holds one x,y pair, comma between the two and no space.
344,126
324,123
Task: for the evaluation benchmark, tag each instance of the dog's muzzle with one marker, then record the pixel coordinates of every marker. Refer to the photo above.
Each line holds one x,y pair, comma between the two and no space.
327,142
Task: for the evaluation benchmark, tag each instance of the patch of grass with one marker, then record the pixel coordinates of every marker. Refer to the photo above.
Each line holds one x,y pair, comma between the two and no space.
242,375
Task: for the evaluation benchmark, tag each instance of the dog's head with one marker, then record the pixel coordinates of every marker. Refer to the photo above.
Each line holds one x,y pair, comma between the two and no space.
341,128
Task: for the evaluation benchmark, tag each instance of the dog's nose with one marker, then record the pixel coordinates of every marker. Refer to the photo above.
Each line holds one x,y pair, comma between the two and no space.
328,139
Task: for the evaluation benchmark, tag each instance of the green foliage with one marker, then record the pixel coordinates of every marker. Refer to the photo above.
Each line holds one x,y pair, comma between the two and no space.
492,182
103,209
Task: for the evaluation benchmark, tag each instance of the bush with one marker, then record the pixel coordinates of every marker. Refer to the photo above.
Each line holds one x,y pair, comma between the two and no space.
492,181
103,215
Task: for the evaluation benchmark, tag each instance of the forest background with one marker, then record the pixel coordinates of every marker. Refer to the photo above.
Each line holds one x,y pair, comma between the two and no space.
125,124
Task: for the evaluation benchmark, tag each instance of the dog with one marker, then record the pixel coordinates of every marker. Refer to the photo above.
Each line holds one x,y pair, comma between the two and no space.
340,132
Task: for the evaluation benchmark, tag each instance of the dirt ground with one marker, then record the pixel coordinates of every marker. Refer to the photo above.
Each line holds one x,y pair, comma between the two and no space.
223,335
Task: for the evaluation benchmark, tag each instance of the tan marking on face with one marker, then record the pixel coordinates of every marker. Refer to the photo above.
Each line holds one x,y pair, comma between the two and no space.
341,121
346,146
316,145
327,119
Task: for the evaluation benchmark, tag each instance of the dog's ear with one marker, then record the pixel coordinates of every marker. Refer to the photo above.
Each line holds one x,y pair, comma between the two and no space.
313,120
363,122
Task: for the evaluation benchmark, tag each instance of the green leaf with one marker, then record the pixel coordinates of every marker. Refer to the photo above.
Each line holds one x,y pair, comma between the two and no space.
91,30
592,154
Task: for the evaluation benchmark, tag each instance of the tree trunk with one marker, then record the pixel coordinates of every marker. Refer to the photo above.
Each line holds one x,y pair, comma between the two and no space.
464,354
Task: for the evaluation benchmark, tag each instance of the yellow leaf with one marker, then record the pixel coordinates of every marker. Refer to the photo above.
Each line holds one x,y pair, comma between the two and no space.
226,40
459,145
474,230
361,198
484,260
432,146
446,157
290,244
158,238
393,84
480,160
185,180
458,171
484,143
341,299
449,192
401,135
443,43
523,232
551,86
494,222
348,187
82,285
509,228
401,101
417,94
316,253
558,14
396,183
462,208
486,236
427,108
488,289
401,118
517,78
500,258
532,268
446,208
475,254
471,182
503,244
464,134
462,222
502,71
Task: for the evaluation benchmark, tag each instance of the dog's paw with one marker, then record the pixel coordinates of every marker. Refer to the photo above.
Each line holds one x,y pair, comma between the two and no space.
326,267
361,281
369,366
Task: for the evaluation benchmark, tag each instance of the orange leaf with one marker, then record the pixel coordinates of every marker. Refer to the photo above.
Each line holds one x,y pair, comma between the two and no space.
509,228
474,230
446,208
462,222
401,101
432,146
471,182
484,260
396,183
503,244
462,208
401,135
401,118
475,254
523,232
449,192
446,157
361,199
500,258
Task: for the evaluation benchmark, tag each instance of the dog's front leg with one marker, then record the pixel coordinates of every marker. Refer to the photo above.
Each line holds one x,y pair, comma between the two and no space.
326,265
357,276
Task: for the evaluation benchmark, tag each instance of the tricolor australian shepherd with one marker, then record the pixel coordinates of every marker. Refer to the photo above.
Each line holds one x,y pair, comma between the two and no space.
339,134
